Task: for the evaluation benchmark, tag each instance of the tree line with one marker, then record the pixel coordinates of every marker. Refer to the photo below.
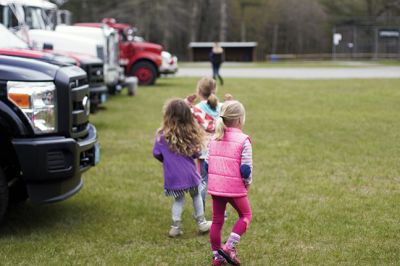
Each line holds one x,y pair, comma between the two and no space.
278,26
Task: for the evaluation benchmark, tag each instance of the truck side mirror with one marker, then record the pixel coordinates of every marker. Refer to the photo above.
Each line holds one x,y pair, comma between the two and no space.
48,46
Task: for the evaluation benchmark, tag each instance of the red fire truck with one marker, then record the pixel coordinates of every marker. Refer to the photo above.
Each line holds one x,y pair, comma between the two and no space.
140,59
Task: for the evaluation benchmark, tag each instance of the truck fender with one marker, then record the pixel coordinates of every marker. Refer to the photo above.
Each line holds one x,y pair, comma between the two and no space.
10,121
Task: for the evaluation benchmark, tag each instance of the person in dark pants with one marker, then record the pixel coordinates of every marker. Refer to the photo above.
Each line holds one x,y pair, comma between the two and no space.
216,59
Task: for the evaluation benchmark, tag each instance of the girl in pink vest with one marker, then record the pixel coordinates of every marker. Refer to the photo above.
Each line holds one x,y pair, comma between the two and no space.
229,176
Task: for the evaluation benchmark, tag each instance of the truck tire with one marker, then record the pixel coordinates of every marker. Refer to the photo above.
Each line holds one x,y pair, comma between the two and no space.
3,194
17,192
146,73
94,108
112,90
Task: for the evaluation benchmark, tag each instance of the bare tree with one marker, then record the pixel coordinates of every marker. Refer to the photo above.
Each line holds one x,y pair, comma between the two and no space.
223,20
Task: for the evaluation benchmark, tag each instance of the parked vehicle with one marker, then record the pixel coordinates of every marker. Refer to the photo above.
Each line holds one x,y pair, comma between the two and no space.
169,63
14,46
106,41
32,13
46,139
30,19
140,59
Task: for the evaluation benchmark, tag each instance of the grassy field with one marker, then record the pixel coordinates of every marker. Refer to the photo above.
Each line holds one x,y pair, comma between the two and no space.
326,183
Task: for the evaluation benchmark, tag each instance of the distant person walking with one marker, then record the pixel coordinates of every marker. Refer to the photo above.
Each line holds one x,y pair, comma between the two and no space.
216,59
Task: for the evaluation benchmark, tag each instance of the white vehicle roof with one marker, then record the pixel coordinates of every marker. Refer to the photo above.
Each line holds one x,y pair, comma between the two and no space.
64,42
35,3
88,32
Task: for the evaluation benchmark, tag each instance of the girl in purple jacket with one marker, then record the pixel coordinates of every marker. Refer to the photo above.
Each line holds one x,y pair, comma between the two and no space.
177,143
229,176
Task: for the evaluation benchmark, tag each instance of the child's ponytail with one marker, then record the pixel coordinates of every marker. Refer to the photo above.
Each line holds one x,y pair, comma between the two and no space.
219,128
232,114
212,101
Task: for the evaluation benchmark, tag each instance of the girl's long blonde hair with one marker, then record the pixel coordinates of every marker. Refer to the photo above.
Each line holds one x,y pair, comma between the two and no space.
232,114
206,88
182,133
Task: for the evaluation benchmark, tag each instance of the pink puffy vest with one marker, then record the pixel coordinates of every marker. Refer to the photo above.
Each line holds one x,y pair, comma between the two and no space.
224,159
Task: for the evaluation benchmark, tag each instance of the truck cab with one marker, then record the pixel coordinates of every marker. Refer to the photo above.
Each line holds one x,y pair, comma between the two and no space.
104,38
46,139
139,58
20,15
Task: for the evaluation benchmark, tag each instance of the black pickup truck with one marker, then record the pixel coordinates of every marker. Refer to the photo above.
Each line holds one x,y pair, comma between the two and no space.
46,140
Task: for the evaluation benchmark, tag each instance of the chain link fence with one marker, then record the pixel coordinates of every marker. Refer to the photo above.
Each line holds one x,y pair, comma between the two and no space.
374,42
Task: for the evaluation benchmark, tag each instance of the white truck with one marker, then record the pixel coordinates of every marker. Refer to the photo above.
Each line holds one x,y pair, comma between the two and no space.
100,43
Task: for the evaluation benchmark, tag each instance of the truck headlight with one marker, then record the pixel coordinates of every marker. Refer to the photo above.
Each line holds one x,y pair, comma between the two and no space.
38,101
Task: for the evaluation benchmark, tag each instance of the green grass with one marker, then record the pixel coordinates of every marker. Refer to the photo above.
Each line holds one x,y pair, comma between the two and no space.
326,185
298,64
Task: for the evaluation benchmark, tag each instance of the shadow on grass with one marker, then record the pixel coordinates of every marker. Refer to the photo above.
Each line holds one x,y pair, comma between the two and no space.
26,218
101,108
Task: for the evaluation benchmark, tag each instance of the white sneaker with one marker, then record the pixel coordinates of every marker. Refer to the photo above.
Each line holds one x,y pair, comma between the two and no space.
204,226
175,231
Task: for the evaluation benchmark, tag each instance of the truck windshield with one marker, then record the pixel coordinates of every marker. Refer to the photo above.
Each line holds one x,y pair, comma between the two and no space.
129,34
10,40
35,17
7,17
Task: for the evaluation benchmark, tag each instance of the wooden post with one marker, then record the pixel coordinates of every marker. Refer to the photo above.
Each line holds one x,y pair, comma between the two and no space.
376,43
398,46
354,41
333,44
275,39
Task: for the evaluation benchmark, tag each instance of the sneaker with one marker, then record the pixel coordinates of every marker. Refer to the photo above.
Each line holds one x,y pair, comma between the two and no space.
204,226
175,231
229,253
218,261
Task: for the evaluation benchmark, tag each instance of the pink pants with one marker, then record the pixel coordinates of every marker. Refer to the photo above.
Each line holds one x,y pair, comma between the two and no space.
242,207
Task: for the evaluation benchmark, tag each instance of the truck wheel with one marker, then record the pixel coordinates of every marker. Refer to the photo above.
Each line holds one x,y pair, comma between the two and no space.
145,72
17,192
3,194
112,90
94,108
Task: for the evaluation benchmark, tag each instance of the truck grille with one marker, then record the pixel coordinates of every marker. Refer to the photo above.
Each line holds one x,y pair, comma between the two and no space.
80,107
94,73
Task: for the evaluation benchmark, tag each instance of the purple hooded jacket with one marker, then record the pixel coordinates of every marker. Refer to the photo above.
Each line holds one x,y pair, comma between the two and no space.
179,170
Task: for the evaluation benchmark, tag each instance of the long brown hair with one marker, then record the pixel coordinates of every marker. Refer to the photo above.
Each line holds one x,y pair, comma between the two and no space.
182,133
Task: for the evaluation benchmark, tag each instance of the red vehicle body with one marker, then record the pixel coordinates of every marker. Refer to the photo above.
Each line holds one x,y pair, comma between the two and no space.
140,59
